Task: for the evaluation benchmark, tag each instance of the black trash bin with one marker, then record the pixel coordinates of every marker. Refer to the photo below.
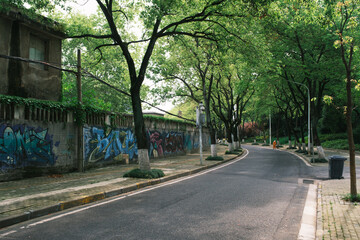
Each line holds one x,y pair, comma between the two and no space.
336,166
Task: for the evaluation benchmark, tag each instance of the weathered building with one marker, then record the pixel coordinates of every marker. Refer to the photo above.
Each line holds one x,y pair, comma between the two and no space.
22,36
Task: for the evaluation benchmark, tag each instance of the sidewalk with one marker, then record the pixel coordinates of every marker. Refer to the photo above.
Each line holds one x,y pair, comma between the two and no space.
336,218
34,197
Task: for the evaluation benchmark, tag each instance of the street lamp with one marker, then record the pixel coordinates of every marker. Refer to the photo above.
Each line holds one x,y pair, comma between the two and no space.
200,120
308,92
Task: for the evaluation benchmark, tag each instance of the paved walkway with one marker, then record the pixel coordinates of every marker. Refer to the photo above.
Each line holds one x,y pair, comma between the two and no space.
336,218
30,198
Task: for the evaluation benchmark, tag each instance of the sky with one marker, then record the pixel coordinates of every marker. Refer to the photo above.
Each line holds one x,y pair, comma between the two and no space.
85,6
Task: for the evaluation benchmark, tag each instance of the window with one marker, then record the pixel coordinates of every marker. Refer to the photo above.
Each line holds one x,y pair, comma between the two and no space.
37,51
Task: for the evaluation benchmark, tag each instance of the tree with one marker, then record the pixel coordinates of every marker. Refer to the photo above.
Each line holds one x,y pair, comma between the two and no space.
160,19
111,68
189,73
304,54
343,21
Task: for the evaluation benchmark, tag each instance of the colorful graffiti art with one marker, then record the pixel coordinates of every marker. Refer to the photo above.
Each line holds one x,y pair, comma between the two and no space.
174,142
166,143
102,146
156,142
22,146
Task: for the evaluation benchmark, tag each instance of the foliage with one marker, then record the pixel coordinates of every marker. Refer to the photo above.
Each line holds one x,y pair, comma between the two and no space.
351,198
166,119
104,64
232,152
339,144
217,158
137,173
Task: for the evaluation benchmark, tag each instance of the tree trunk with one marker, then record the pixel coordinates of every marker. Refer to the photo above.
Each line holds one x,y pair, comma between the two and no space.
229,137
236,138
353,189
143,155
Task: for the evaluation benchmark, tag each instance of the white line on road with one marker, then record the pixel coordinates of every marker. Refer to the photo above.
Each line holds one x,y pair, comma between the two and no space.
128,195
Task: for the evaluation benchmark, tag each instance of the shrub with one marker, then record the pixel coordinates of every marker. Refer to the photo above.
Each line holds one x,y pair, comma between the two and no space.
351,198
217,158
318,160
137,173
231,152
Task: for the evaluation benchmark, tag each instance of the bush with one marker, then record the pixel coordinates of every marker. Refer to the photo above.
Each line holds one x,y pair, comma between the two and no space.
231,152
330,137
137,173
210,158
318,160
336,144
351,198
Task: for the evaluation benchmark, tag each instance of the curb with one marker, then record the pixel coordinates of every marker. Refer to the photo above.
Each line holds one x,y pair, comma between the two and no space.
309,218
6,222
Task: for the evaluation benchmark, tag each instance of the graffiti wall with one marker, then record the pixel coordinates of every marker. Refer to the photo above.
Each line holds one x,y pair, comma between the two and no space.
22,146
102,144
168,143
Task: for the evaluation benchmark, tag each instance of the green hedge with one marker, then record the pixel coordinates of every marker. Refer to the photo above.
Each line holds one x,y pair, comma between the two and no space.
137,173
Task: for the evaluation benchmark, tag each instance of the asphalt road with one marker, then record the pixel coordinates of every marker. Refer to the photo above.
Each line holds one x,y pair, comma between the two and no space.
259,197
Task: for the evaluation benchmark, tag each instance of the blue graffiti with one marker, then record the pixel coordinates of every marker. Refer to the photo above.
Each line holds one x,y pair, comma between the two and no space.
102,146
22,146
188,142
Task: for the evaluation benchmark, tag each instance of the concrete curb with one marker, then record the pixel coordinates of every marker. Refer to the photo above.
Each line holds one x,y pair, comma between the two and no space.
100,196
308,220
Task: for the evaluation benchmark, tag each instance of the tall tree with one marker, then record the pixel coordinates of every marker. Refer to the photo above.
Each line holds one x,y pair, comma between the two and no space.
343,21
305,55
160,19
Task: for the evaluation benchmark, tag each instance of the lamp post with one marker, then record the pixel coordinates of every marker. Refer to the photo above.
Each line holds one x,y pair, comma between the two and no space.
308,92
200,120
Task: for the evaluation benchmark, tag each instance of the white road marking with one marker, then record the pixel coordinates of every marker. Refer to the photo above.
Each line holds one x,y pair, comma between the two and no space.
6,234
128,195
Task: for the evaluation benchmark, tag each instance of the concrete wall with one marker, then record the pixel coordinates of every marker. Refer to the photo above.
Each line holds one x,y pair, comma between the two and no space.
47,140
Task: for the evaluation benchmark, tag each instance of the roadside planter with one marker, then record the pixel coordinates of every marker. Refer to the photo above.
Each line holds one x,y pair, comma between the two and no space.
336,167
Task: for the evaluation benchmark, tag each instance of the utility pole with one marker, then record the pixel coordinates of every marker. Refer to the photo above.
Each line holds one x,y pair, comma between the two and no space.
270,128
200,120
80,126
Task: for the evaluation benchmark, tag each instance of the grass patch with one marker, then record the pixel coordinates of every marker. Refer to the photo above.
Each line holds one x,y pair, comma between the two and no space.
351,198
265,145
223,144
217,158
254,144
137,173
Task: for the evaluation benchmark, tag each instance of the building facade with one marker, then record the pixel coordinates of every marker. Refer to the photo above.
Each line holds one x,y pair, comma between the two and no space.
20,36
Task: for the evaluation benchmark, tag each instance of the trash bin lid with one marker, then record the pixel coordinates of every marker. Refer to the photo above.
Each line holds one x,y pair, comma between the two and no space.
337,157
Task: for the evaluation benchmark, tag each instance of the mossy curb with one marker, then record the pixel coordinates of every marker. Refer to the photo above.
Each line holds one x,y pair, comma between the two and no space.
137,173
